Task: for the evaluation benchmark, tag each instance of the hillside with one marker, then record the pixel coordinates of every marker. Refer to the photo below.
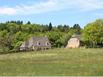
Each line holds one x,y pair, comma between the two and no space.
62,62
14,33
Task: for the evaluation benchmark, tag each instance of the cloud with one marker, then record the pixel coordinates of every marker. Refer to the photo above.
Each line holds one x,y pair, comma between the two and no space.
7,10
53,5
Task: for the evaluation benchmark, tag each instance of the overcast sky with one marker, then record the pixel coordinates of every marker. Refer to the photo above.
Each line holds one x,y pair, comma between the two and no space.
55,11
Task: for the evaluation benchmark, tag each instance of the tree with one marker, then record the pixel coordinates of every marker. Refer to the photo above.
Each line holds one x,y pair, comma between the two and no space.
19,22
93,33
6,39
77,28
63,28
28,22
50,26
66,28
2,26
12,27
54,38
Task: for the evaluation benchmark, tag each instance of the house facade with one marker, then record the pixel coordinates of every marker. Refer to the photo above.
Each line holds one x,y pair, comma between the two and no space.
74,42
36,43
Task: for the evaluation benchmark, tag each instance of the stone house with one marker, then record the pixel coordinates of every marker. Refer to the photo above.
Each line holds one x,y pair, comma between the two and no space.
74,42
36,43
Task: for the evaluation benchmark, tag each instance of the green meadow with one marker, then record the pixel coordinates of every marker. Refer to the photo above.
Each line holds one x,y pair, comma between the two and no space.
56,62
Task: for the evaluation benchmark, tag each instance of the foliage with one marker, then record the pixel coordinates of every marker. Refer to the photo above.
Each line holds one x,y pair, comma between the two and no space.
77,28
50,26
13,33
93,33
63,28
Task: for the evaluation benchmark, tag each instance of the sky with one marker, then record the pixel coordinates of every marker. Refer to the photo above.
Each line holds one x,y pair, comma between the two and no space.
68,12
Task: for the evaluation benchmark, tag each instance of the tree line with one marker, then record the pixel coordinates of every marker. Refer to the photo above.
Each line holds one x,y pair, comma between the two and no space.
14,33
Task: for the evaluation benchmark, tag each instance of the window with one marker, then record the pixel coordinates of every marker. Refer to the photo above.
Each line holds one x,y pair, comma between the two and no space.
47,43
38,43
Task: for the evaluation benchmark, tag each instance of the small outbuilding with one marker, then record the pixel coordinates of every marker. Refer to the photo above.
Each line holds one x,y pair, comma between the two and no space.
36,43
74,42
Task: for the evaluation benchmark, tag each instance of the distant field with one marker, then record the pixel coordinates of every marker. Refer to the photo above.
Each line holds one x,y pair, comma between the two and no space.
56,62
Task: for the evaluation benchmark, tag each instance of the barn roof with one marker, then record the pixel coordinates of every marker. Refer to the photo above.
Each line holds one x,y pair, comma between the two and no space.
76,36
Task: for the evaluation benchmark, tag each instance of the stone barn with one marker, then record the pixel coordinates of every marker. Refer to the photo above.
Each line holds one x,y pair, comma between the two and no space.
74,42
36,43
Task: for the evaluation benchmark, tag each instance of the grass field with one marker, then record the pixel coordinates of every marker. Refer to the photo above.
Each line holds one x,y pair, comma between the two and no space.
56,62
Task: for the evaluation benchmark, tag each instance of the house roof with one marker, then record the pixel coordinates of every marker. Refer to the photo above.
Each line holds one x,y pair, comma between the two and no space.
40,38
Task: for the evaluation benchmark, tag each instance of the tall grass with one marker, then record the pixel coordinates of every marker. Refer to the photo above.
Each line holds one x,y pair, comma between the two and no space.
56,62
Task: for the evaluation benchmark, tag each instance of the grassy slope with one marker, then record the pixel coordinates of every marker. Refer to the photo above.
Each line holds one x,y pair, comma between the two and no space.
53,62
